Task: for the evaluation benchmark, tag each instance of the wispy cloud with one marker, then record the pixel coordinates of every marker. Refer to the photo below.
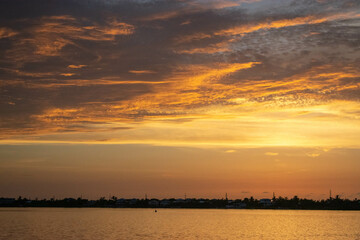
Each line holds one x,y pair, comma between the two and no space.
7,32
283,23
76,66
313,155
271,153
191,7
230,151
49,35
141,71
67,74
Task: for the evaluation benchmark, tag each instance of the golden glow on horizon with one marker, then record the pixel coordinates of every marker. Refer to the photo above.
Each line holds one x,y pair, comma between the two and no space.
264,127
176,109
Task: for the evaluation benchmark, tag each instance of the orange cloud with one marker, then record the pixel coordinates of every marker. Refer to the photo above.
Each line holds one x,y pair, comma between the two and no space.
48,45
271,153
193,37
249,28
76,66
313,155
141,71
243,29
192,7
53,33
7,32
23,73
75,82
117,28
182,89
169,93
212,48
67,74
162,16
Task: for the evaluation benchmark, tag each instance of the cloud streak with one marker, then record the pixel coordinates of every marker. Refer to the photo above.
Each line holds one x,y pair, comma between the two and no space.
284,23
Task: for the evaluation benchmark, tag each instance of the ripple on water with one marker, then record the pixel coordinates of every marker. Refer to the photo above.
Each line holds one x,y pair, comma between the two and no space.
187,224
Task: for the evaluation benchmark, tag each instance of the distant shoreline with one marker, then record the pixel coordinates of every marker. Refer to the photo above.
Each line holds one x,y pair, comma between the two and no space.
279,203
153,208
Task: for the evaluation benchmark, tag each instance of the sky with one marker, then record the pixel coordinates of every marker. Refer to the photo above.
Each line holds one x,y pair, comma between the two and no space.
175,97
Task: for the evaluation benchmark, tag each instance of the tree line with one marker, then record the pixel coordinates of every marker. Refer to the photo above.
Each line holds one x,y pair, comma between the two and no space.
336,203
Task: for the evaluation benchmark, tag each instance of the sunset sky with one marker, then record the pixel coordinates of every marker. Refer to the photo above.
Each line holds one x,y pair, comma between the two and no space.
167,97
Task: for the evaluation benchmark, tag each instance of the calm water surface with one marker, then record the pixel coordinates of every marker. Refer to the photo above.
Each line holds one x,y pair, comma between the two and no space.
111,224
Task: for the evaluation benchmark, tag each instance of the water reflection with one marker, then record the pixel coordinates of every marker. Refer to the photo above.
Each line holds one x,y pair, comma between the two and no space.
56,223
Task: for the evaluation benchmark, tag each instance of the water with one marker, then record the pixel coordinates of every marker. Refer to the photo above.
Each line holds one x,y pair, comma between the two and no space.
113,224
